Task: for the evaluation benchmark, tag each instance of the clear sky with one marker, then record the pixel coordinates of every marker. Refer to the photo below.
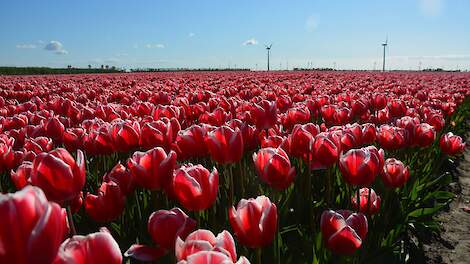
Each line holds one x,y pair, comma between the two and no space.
203,33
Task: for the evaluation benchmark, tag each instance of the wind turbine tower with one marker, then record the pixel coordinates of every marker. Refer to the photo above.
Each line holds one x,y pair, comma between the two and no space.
385,46
268,48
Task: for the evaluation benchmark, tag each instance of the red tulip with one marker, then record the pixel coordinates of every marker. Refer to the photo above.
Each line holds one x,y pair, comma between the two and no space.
452,144
98,247
22,176
212,257
379,101
301,138
73,138
54,128
424,135
125,137
225,144
343,231
31,227
121,175
365,206
395,174
190,142
204,240
164,226
107,205
195,187
361,166
368,133
7,154
326,148
254,221
391,138
274,168
58,174
294,116
152,169
397,108
38,145
264,114
160,133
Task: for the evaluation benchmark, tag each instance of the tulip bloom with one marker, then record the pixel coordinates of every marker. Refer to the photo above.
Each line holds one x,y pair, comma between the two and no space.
361,166
424,135
365,206
190,142
54,128
225,144
73,138
212,257
121,175
395,174
274,168
343,231
125,137
326,148
301,138
195,187
58,174
31,227
452,144
204,240
152,169
164,226
22,176
98,247
254,221
107,205
391,138
264,114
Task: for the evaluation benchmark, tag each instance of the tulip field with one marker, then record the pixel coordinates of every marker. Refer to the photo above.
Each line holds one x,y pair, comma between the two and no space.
227,167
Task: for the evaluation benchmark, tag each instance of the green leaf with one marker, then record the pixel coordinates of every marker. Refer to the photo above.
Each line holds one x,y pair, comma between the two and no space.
426,211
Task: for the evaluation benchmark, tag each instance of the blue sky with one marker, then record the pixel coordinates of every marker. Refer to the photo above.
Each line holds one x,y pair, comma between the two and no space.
214,33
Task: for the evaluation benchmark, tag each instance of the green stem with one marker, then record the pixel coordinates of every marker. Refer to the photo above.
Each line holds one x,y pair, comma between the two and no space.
139,210
73,231
258,255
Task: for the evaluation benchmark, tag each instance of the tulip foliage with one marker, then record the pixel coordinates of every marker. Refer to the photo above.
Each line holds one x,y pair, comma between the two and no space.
287,167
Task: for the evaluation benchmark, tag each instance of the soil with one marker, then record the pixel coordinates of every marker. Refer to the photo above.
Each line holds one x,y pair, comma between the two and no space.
453,244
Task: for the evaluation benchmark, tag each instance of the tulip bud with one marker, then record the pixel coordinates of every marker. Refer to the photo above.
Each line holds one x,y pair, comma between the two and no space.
195,187
452,144
98,247
274,168
254,221
395,174
367,207
58,174
343,231
31,227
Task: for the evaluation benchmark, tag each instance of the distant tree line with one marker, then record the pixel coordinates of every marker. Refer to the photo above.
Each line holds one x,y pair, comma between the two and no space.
47,70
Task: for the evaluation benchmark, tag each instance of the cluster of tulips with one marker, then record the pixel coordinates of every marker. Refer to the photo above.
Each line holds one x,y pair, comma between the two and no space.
294,167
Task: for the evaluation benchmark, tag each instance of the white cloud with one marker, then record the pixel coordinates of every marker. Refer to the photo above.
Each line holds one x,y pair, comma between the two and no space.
431,7
190,35
311,24
25,46
56,47
250,42
152,46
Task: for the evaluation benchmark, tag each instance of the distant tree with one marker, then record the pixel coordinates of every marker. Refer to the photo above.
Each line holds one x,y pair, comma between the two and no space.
89,66
107,67
102,66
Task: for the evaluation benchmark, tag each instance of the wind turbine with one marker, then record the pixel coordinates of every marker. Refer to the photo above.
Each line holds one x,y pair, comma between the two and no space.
384,45
268,48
